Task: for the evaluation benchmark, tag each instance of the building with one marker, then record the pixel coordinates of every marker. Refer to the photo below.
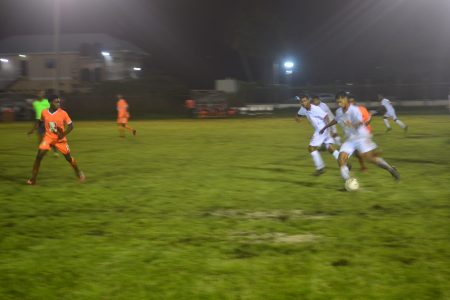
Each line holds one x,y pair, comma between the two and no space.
29,63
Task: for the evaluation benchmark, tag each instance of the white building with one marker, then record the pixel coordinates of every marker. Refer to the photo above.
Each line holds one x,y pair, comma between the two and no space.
28,63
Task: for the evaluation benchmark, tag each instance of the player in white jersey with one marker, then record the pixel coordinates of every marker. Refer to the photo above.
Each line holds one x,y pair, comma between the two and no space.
358,137
390,114
318,119
325,108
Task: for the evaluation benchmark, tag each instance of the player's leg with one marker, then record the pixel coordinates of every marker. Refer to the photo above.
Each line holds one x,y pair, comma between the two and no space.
342,161
72,161
121,127
317,159
133,131
367,149
380,162
386,123
362,163
401,124
329,143
37,163
316,141
63,147
346,151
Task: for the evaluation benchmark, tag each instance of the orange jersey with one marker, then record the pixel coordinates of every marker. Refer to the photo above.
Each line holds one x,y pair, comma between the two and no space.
365,117
55,122
122,109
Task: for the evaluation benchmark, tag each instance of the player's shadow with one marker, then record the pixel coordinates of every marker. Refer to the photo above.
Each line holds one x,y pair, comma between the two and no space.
269,169
415,161
295,182
423,136
13,179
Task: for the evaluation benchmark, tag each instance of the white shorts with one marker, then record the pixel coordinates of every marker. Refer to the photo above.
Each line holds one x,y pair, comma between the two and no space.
363,145
318,139
390,115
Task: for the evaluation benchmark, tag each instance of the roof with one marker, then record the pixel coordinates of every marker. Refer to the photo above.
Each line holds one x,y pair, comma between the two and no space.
68,43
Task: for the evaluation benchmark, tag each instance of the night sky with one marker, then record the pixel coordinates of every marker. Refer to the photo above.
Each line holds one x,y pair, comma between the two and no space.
195,40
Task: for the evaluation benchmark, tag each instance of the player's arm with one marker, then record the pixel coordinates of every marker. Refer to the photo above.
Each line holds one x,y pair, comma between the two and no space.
298,117
382,110
35,126
67,130
333,122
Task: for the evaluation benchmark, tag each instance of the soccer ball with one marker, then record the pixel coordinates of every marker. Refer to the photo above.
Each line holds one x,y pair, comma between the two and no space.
351,184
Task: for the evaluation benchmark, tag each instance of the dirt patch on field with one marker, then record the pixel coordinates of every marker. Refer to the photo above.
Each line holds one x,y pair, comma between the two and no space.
275,238
271,214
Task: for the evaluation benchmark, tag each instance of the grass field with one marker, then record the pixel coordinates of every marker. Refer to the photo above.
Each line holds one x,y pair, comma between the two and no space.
223,209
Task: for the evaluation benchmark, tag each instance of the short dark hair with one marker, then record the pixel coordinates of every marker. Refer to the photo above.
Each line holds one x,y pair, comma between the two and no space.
301,96
315,97
341,95
350,95
53,97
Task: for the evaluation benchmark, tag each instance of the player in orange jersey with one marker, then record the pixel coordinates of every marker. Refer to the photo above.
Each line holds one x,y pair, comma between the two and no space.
122,116
57,126
366,117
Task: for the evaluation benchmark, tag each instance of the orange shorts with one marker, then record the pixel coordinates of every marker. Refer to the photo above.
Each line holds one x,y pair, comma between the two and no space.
122,120
47,143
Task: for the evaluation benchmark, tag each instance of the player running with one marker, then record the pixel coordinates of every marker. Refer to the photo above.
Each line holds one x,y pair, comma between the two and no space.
390,114
39,105
318,119
57,126
357,135
325,108
122,116
366,117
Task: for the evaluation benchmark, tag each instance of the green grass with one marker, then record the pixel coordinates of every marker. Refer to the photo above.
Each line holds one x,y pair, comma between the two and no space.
223,209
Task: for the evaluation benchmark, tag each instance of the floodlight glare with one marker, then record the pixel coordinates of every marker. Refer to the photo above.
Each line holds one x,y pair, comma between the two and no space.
137,68
289,65
22,55
104,53
4,60
289,72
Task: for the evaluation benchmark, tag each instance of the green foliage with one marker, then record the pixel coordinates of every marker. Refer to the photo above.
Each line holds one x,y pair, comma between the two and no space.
223,209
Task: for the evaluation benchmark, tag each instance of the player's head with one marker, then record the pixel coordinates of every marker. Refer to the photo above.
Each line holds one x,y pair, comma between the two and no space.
342,99
380,96
304,100
55,102
40,94
351,99
316,100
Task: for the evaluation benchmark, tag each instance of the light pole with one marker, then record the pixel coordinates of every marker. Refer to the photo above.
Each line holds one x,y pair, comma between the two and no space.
56,34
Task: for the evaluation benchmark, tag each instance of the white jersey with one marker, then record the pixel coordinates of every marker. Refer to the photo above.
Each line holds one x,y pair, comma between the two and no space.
316,116
390,111
349,119
326,109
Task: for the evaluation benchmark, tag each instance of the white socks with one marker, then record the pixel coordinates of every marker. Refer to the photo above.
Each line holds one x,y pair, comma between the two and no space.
336,154
400,123
382,163
318,162
386,122
345,172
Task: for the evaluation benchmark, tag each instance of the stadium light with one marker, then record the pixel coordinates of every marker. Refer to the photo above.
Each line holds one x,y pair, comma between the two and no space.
104,53
22,56
289,72
137,68
4,60
288,65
